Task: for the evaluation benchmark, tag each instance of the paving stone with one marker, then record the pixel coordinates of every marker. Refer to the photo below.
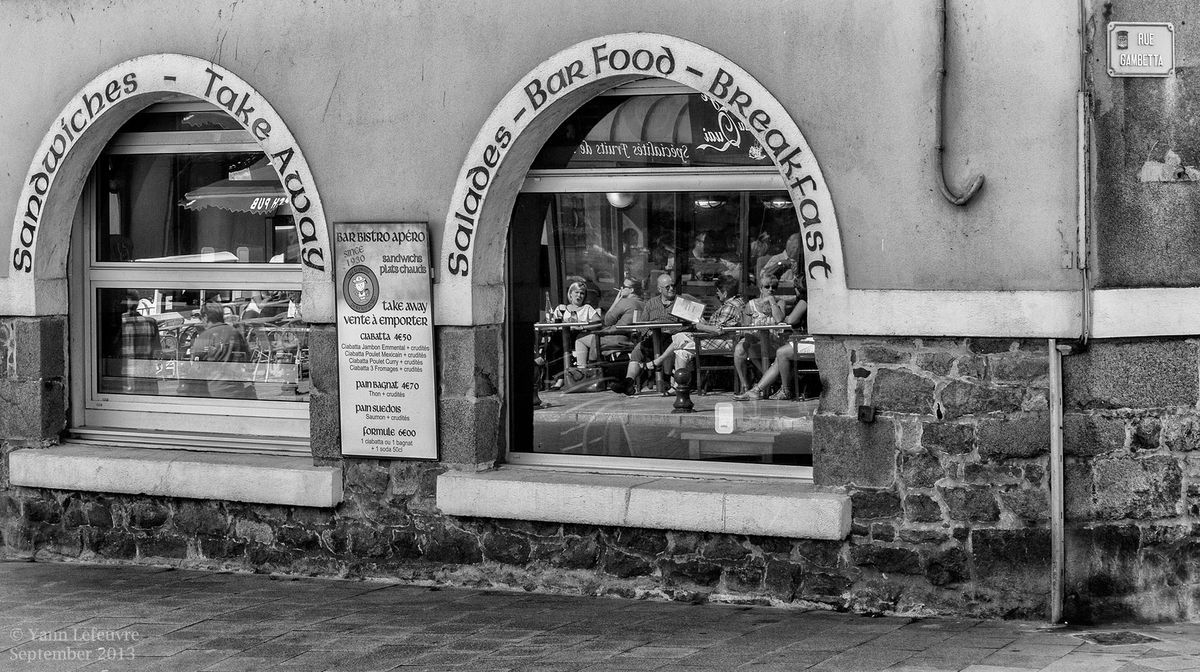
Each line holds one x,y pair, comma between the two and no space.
310,661
230,642
158,646
240,664
190,661
956,657
278,650
624,665
1019,660
1029,648
797,659
139,664
862,659
659,652
291,625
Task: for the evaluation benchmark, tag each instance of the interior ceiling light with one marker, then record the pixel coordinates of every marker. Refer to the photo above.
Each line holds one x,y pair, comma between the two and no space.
620,199
709,202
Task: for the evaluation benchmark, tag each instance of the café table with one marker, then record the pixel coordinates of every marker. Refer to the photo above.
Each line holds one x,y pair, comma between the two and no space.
566,329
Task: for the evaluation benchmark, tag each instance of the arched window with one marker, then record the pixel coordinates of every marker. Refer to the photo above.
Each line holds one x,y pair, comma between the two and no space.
656,191
185,307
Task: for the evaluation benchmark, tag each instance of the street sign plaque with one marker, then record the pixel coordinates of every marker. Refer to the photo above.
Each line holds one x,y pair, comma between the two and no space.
1141,49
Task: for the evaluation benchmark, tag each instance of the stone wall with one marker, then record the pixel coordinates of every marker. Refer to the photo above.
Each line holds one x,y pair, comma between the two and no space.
949,480
33,394
949,483
948,509
1132,480
389,526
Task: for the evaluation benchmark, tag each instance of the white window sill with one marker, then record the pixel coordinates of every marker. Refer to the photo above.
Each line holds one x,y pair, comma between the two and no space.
234,477
764,507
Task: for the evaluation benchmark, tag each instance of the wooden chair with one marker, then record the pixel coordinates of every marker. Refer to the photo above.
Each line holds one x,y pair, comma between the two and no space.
806,378
711,353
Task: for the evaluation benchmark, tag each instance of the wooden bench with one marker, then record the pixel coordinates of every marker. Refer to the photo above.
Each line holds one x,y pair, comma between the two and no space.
743,444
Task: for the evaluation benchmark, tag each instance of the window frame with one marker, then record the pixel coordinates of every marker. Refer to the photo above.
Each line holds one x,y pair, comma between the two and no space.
260,426
644,180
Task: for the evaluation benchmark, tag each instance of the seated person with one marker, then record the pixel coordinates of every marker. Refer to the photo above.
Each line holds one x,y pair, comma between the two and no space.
276,303
139,340
662,255
783,265
655,309
784,354
623,310
703,265
764,311
222,345
729,314
574,311
760,251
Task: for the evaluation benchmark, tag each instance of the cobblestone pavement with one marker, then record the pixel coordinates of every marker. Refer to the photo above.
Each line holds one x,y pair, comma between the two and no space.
56,616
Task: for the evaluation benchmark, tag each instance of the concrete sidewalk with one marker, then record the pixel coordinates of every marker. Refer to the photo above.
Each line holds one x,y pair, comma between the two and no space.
121,618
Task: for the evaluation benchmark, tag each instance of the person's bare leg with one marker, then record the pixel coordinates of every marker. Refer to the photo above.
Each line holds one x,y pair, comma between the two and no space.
634,368
768,378
587,350
665,357
783,364
740,363
633,372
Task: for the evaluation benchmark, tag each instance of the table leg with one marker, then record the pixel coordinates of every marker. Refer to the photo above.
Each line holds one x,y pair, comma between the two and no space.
567,354
765,355
659,378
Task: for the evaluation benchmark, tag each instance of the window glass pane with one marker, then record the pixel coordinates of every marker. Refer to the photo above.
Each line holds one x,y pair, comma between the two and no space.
654,131
202,207
226,344
622,281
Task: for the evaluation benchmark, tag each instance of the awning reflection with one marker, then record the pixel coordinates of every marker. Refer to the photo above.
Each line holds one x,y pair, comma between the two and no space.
259,197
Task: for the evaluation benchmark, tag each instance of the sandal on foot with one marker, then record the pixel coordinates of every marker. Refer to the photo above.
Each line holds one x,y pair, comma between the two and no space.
751,394
783,395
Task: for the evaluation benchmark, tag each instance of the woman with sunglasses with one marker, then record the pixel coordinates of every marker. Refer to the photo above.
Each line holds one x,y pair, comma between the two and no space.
766,309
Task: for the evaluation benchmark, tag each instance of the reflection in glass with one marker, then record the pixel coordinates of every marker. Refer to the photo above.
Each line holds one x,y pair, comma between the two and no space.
604,387
225,344
209,207
668,131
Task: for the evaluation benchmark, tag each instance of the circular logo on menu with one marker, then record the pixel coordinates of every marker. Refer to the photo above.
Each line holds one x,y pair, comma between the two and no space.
361,288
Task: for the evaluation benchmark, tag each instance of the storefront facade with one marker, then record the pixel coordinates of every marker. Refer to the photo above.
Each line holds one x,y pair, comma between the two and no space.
1007,384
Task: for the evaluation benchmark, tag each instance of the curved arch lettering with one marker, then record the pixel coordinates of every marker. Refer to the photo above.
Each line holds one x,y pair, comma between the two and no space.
60,140
171,74
648,55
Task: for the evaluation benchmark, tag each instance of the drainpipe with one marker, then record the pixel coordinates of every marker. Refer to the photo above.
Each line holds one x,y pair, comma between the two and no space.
1057,519
1083,179
976,181
1057,351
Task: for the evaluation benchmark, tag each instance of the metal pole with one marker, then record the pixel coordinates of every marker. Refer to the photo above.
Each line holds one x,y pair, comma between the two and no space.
1057,518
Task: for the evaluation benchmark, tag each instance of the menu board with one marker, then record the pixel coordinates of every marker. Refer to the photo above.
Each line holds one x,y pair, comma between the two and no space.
385,340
